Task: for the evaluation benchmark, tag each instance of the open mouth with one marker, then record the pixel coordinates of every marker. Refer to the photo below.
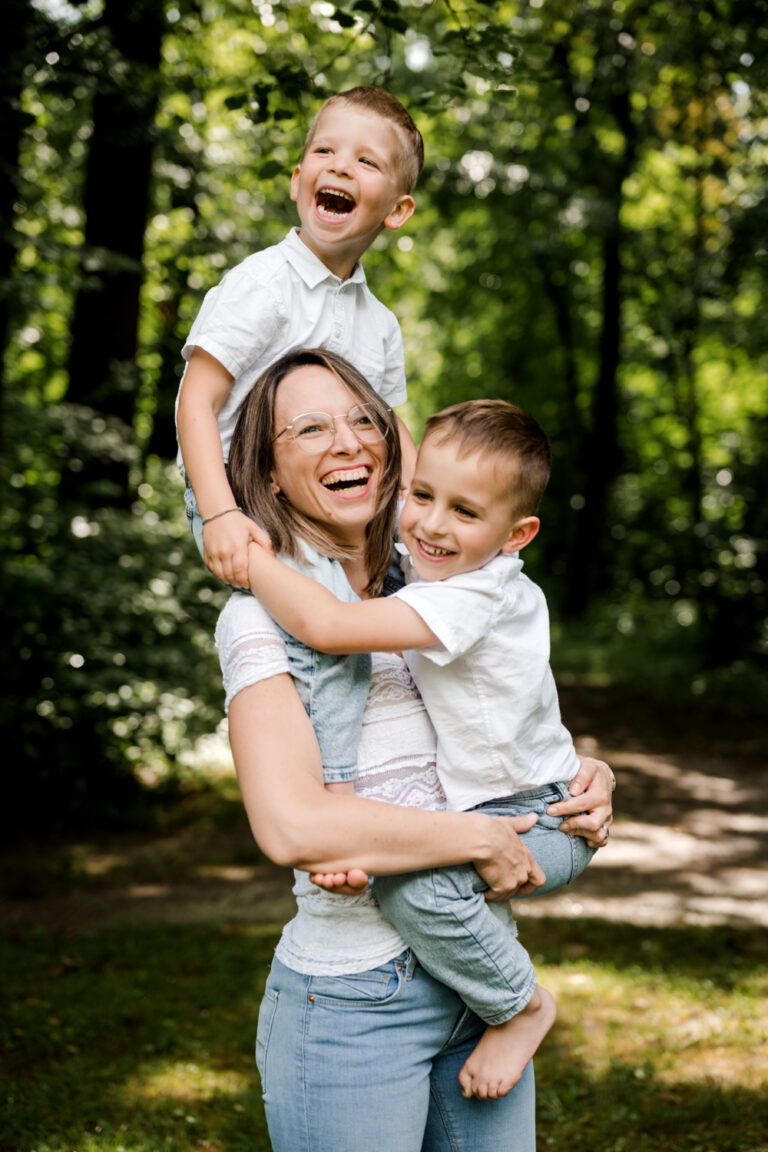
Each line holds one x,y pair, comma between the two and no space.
332,202
347,481
433,551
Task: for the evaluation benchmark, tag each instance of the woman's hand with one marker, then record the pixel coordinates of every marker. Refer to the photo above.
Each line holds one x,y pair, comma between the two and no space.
589,812
511,869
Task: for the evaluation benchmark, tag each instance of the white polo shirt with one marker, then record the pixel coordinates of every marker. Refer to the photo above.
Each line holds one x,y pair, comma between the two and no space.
488,686
285,298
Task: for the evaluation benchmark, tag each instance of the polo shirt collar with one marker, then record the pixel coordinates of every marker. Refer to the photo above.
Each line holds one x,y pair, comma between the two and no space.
508,565
310,267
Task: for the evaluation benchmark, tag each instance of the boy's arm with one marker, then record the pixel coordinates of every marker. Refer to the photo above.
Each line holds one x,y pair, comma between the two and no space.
225,539
316,617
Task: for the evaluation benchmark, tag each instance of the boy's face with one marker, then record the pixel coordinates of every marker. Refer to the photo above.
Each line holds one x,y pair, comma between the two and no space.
459,513
348,186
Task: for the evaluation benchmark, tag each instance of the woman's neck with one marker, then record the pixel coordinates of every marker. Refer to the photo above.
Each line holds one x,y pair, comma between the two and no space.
357,574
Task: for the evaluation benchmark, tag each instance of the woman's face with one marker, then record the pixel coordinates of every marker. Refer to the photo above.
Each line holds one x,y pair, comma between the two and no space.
337,488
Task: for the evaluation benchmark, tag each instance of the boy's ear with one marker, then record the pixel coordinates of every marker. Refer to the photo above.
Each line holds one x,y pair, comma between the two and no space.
522,534
402,211
295,183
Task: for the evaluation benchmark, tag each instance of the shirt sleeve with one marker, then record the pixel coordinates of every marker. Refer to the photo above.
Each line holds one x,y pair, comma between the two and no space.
237,321
460,611
249,646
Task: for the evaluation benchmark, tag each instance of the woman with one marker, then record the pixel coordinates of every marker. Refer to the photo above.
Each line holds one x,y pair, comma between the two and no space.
358,1048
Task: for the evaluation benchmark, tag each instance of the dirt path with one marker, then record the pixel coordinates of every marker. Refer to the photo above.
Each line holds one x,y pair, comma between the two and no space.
690,845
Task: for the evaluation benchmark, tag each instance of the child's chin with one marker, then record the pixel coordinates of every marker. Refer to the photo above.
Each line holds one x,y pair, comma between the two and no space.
427,572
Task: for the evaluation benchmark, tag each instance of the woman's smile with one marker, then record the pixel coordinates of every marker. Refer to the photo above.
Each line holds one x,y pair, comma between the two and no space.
348,482
339,487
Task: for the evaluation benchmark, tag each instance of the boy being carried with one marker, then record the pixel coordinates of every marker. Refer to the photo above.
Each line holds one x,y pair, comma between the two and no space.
475,634
361,159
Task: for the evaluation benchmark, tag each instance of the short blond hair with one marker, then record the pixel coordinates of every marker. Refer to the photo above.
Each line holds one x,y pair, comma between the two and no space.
410,160
505,432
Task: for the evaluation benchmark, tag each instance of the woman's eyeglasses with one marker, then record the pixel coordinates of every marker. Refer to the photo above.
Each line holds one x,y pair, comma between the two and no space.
314,432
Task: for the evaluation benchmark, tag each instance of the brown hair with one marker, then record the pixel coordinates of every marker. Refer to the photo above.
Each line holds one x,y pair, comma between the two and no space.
252,460
411,159
506,432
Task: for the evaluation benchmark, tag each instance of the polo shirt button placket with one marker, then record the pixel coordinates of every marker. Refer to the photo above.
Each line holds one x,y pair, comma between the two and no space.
338,319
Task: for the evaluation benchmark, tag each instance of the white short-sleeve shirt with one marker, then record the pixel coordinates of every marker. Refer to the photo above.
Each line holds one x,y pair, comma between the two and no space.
285,298
488,686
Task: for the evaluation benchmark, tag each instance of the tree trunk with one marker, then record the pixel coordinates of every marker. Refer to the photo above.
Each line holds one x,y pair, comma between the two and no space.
17,40
102,362
602,458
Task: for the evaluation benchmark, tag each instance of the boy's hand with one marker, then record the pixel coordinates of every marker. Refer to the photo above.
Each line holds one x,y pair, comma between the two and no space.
351,883
225,546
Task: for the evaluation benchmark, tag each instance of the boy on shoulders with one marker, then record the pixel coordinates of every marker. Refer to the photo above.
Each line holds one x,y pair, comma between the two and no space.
361,159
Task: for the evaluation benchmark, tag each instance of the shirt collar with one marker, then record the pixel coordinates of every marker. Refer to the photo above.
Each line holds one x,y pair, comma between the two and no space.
311,268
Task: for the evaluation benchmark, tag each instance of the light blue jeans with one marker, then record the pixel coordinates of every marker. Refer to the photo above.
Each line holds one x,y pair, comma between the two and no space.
443,916
370,1063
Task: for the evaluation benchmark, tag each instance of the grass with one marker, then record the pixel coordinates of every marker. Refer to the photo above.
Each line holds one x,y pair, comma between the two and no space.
134,1039
140,1039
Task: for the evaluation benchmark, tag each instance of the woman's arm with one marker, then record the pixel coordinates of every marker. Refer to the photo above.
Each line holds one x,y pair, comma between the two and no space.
298,823
589,812
316,617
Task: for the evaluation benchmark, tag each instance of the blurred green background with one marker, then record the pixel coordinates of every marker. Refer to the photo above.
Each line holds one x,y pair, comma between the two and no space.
590,241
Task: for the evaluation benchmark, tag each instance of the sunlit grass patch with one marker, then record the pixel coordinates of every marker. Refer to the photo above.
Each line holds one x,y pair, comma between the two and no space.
689,1030
660,1043
183,1081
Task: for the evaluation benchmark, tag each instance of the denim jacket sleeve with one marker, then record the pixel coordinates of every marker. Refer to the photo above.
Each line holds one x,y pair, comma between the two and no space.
333,689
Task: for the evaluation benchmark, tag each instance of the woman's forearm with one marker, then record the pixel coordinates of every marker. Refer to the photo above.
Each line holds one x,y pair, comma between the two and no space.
297,823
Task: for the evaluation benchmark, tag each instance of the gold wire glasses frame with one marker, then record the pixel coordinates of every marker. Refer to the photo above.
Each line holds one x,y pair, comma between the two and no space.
314,432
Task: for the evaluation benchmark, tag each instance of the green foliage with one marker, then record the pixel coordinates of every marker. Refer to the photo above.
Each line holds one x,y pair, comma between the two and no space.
109,613
589,241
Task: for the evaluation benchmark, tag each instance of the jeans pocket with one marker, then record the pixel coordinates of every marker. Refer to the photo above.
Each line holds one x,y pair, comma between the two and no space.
358,989
263,1032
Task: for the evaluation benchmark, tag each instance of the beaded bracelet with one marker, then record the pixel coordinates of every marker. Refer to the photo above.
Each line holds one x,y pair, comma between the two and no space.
217,514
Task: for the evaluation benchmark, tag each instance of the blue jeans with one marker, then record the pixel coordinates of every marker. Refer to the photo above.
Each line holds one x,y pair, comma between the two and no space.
443,916
370,1063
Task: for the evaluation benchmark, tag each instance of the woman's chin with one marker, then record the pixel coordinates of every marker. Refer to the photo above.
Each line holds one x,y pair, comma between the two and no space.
351,514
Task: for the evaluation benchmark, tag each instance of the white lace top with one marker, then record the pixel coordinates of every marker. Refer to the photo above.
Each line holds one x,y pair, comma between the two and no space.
333,934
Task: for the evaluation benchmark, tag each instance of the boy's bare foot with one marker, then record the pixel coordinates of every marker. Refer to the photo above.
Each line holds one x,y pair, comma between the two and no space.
350,883
503,1051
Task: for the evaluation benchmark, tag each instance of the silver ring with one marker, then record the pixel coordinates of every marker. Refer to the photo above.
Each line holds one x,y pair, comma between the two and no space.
606,830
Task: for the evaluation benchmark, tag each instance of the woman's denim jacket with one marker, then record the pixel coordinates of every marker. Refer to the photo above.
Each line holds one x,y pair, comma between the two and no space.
333,689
